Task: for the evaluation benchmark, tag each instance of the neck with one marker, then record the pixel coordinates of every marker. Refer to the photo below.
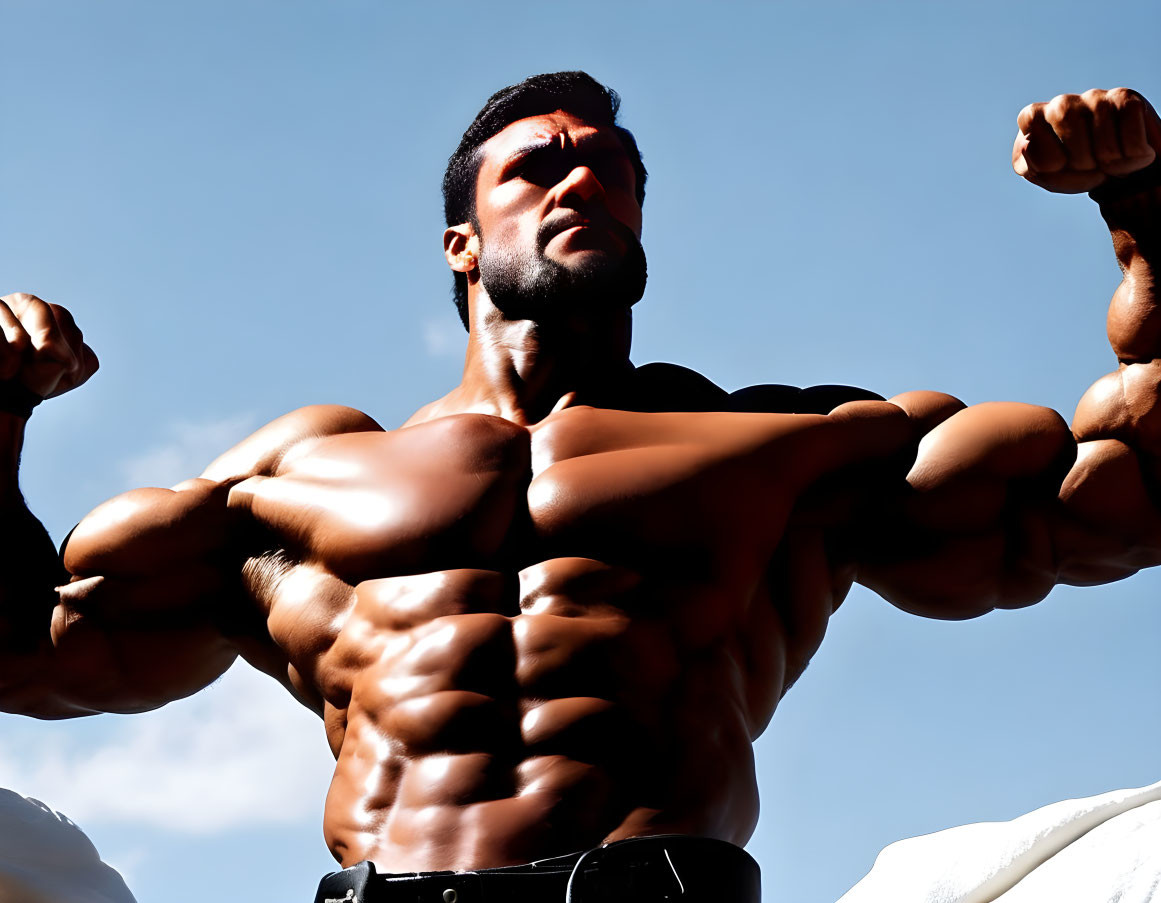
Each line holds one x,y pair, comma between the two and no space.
522,370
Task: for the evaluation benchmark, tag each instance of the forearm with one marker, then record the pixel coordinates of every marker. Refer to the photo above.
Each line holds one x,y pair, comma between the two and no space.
1132,210
1113,494
29,571
1125,405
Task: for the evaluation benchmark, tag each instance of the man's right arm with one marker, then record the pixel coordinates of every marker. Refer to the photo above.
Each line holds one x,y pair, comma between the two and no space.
146,604
42,353
132,616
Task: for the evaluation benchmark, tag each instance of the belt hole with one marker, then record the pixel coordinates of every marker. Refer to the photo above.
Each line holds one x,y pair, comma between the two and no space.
450,895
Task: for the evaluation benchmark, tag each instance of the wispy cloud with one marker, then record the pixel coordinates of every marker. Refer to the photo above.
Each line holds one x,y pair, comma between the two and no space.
190,446
443,336
241,753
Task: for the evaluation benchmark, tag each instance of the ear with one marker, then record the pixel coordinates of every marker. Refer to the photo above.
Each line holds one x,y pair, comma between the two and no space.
461,247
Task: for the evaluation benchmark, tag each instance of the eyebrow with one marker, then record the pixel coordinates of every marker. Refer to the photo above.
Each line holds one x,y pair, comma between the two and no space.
603,142
526,149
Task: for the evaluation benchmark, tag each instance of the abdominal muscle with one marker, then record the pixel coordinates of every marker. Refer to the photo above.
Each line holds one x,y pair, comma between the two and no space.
481,720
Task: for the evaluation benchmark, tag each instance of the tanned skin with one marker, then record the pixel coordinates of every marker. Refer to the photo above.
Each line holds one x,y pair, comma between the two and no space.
556,607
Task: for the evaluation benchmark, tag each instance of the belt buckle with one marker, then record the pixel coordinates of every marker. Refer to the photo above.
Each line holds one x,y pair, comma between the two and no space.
661,868
634,871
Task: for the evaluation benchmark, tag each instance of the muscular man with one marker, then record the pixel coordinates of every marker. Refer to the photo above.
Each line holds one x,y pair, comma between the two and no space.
553,610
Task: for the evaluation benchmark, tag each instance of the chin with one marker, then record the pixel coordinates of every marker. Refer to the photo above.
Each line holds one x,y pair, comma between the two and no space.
578,281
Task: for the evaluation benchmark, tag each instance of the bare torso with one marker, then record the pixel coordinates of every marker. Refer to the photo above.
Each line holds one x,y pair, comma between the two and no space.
528,641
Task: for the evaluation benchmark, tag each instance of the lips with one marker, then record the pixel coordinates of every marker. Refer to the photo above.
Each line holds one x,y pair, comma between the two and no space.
560,223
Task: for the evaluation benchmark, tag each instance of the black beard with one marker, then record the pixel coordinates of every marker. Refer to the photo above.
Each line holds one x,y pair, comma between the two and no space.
530,286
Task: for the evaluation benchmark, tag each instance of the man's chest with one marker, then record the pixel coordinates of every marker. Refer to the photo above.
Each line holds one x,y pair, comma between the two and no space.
477,491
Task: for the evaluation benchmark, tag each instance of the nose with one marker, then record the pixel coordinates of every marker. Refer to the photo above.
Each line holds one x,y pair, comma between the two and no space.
581,183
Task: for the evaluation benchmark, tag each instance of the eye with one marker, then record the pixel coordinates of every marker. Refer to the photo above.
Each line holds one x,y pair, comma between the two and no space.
542,167
615,171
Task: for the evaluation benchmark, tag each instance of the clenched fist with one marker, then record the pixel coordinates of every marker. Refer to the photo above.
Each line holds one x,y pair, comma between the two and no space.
41,348
1079,142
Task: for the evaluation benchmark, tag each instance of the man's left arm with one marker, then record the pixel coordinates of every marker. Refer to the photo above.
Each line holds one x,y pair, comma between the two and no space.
1114,489
1003,500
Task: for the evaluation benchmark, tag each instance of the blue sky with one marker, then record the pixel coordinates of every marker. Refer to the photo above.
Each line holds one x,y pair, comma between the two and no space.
239,201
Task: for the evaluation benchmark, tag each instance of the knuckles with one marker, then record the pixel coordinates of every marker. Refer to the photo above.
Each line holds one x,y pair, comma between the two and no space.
1125,98
1064,107
1077,142
44,348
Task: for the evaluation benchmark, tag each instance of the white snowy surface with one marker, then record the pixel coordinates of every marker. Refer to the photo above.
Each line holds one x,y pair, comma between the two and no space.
46,858
1101,849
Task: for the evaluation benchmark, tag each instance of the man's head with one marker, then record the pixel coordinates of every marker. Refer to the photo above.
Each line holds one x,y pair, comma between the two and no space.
551,188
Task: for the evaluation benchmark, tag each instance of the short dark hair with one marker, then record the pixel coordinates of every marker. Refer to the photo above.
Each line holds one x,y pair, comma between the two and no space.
575,92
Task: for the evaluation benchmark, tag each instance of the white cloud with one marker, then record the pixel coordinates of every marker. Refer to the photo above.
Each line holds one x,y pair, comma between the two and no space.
190,447
241,753
443,336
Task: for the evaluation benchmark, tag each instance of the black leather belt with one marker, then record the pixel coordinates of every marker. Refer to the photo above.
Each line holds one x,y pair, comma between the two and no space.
671,867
